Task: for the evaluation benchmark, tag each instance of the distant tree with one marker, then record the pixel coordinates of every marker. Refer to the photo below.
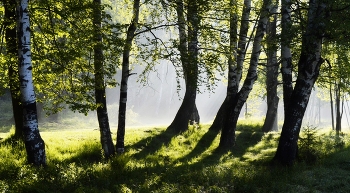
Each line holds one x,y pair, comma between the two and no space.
35,145
308,71
125,76
100,87
334,76
12,63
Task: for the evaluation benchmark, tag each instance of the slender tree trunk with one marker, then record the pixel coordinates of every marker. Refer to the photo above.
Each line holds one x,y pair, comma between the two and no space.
189,63
338,109
12,52
308,71
35,145
125,76
236,55
100,88
235,105
332,110
286,55
270,123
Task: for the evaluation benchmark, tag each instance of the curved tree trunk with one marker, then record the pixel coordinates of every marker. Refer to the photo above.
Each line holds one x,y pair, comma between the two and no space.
189,61
35,145
125,76
236,55
270,123
100,88
12,52
308,71
227,139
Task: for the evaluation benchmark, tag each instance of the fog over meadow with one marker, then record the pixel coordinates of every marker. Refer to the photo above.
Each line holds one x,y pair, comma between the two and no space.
157,102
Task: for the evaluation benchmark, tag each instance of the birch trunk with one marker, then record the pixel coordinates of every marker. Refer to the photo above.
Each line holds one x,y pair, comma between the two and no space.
35,145
227,139
270,123
125,76
12,51
238,56
100,90
286,55
189,61
308,71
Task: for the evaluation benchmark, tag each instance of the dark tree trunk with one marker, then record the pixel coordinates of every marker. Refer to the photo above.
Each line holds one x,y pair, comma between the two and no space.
332,110
194,119
34,144
234,71
125,76
180,123
338,109
286,55
189,63
236,103
100,88
308,71
270,123
12,51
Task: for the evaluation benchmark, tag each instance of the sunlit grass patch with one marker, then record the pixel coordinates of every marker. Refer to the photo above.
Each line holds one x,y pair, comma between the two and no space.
160,161
79,145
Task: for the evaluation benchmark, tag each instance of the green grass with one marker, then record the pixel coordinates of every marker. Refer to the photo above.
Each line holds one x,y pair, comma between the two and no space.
158,161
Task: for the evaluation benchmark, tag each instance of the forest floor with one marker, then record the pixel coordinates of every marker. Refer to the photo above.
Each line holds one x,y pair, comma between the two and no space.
158,161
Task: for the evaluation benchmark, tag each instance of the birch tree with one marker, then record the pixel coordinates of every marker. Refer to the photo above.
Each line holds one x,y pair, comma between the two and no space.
270,123
286,55
100,88
227,139
35,145
308,71
189,59
125,76
237,52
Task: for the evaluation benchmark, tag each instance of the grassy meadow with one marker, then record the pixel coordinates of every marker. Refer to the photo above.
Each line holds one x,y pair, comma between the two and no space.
158,161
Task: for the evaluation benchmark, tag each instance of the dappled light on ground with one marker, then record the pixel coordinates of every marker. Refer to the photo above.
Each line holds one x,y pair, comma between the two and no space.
159,161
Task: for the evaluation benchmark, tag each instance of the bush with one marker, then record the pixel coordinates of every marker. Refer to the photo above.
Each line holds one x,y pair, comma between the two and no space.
309,145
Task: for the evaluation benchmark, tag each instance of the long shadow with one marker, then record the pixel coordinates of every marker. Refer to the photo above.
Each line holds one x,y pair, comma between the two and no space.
203,144
171,172
152,143
244,140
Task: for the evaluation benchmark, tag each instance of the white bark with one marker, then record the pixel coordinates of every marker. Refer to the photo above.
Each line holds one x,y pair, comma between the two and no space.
34,144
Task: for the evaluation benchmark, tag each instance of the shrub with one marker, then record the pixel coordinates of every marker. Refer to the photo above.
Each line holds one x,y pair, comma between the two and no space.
309,145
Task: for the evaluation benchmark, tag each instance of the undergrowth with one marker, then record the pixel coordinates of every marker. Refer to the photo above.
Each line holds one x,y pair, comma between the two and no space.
159,161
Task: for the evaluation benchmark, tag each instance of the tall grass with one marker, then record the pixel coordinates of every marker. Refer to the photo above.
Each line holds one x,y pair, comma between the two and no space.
159,161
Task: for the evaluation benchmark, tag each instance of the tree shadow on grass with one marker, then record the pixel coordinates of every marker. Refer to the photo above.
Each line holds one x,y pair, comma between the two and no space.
151,144
247,137
203,144
244,140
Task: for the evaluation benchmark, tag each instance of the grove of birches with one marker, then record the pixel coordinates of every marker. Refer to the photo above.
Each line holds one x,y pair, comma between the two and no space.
64,54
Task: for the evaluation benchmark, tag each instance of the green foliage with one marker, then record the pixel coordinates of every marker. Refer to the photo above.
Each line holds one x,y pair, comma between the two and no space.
63,42
315,146
308,145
